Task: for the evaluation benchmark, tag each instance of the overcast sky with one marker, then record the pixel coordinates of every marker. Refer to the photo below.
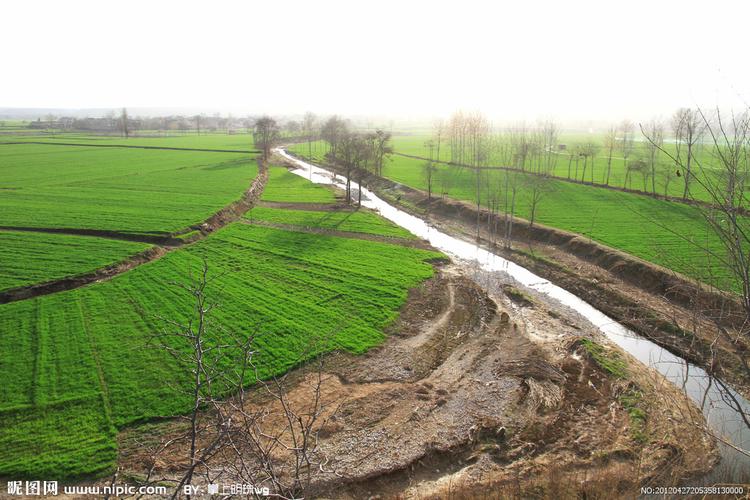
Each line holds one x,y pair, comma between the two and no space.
513,60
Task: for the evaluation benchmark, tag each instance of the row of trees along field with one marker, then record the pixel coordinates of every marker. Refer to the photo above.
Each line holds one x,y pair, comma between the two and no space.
468,140
124,124
355,153
696,157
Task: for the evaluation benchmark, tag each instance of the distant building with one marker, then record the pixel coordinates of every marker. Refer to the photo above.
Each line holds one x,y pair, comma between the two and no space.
562,147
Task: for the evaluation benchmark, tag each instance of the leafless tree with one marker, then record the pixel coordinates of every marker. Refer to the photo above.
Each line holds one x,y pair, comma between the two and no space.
309,123
724,182
626,141
688,126
428,169
332,131
610,145
511,189
638,166
666,173
589,150
124,126
537,186
265,135
549,133
654,130
438,136
380,142
353,152
273,445
478,134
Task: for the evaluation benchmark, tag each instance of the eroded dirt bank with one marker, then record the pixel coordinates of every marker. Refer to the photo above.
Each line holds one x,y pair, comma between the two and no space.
476,393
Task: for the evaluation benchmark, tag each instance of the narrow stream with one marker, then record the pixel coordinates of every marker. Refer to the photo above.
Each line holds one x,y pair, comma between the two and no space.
722,406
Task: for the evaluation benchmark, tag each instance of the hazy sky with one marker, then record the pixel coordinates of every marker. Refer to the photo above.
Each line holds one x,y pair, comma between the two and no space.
517,59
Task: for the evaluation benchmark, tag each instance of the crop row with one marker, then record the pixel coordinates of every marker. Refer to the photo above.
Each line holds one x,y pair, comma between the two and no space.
308,293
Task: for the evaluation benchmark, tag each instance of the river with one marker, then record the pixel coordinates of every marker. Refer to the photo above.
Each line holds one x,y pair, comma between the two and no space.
722,407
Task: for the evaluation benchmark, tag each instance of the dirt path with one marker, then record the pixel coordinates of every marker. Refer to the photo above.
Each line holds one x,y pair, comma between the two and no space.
231,213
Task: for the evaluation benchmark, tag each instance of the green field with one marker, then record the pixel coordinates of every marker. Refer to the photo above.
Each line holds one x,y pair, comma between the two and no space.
567,165
284,186
126,190
360,221
670,234
83,352
27,258
238,141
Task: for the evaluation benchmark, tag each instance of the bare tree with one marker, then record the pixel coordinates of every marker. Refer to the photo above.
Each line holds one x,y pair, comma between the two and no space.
537,186
478,133
610,144
438,135
380,145
353,151
124,126
725,183
626,142
688,126
332,131
549,133
511,189
265,135
589,150
428,169
654,130
309,129
638,166
273,446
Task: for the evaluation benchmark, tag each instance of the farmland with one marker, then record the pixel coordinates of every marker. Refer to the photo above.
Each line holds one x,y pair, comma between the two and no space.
84,350
360,221
76,365
567,164
125,190
284,186
239,141
27,257
670,234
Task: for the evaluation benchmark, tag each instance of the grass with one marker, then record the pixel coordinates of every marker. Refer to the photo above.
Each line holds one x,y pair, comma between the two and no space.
671,234
608,360
632,400
240,141
284,186
27,258
127,190
360,221
75,365
569,166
